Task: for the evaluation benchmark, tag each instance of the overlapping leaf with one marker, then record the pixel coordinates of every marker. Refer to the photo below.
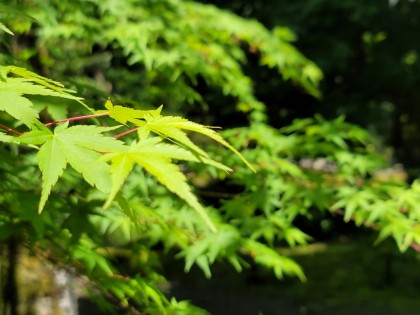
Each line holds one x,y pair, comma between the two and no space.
156,158
5,138
92,261
79,146
12,91
17,106
41,85
124,114
173,127
266,256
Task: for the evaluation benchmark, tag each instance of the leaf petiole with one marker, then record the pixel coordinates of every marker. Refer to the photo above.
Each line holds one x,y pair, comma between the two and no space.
76,118
125,133
10,130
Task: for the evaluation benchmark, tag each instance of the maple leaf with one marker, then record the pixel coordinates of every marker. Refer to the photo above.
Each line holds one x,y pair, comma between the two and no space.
29,87
32,77
17,106
13,91
173,127
156,158
79,146
123,114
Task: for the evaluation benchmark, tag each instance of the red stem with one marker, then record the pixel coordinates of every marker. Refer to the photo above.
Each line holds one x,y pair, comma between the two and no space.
76,118
10,130
125,133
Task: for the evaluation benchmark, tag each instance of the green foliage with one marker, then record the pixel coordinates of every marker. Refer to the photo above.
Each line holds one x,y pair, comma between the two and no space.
5,29
156,159
362,48
79,146
332,170
87,149
128,198
28,83
168,50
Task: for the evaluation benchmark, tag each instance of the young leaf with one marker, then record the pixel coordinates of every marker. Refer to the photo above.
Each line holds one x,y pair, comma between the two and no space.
168,126
155,147
40,80
52,163
27,86
172,127
92,260
80,146
31,83
155,158
267,257
17,106
124,114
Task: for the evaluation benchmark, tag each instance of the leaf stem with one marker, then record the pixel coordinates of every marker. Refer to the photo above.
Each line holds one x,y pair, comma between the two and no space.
125,133
10,130
76,118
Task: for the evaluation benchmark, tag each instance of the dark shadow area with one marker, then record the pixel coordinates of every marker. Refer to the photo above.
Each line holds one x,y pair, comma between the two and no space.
343,278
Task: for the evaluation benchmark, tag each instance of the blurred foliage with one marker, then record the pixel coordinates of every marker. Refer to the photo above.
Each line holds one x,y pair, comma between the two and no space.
345,276
368,52
169,50
218,68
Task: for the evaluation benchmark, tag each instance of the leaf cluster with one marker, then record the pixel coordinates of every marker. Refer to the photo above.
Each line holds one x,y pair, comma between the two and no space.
115,178
183,48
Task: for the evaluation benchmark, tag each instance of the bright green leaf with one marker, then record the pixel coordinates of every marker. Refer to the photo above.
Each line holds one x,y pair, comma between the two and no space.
160,166
17,106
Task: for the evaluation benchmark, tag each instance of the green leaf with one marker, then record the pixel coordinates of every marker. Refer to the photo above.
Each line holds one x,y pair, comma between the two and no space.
157,161
121,166
12,90
52,163
294,236
57,108
168,126
269,258
6,138
203,263
172,127
80,146
92,260
155,147
27,86
17,106
35,137
91,137
31,83
124,114
5,29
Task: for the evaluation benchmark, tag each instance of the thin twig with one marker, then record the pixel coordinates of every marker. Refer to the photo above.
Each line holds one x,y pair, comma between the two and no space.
10,130
125,133
76,118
